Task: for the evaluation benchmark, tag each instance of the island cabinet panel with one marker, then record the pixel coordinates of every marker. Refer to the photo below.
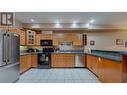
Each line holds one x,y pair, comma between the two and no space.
106,70
63,60
34,61
124,67
112,71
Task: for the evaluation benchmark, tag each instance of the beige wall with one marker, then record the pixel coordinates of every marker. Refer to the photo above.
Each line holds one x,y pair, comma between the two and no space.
107,40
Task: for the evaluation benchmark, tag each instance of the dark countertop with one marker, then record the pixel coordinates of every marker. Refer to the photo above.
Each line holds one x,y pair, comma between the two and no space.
28,53
112,55
123,52
68,53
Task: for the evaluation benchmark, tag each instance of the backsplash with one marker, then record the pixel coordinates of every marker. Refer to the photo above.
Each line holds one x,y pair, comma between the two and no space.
66,47
23,48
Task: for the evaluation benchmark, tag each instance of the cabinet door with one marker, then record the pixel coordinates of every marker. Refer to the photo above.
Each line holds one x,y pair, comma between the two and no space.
77,39
47,36
58,60
69,60
30,37
56,39
95,64
55,60
22,64
89,62
38,39
22,37
34,61
112,71
28,61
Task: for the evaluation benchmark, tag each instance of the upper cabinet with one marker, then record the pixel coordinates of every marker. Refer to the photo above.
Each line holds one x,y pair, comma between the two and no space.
38,39
22,35
76,38
30,37
47,37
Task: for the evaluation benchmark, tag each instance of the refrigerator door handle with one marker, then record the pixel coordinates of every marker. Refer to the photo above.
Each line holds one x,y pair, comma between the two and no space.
8,48
4,47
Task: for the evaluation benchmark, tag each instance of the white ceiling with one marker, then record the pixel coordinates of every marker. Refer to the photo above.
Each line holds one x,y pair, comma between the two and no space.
102,18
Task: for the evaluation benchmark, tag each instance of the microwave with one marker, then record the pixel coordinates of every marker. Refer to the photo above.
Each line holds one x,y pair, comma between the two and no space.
46,43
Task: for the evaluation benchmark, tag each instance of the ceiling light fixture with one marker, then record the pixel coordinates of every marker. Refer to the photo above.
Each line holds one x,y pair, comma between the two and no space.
87,25
32,20
57,24
74,24
92,21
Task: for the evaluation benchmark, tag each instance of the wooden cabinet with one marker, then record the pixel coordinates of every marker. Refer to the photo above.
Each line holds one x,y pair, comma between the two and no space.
34,60
47,37
77,39
28,61
107,71
112,71
38,39
70,37
63,60
56,39
22,35
25,63
22,64
69,60
30,38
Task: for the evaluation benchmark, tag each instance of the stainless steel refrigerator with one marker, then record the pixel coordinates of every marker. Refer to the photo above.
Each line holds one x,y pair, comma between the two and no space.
9,56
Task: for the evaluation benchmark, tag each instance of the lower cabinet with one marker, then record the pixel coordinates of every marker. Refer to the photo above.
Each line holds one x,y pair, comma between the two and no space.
63,60
107,71
27,61
34,60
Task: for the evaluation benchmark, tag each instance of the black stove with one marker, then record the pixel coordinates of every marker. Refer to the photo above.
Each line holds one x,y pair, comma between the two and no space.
44,58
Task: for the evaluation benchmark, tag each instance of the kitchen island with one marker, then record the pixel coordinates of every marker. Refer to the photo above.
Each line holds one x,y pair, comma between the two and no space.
108,66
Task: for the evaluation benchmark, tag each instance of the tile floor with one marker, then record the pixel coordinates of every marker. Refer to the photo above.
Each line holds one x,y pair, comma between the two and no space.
58,76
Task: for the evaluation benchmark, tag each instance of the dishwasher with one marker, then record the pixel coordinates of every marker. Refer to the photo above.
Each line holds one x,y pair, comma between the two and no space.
79,60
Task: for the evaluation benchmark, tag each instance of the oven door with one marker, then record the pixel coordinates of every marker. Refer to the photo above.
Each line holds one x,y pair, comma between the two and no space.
44,59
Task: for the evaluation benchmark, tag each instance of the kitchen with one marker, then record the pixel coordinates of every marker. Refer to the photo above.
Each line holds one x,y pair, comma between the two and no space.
70,47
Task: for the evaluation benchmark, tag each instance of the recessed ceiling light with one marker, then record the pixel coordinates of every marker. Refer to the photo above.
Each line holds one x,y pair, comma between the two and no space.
74,24
32,20
91,21
87,25
57,24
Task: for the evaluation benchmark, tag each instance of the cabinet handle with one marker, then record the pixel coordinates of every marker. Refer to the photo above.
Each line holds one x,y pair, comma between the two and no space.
99,59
